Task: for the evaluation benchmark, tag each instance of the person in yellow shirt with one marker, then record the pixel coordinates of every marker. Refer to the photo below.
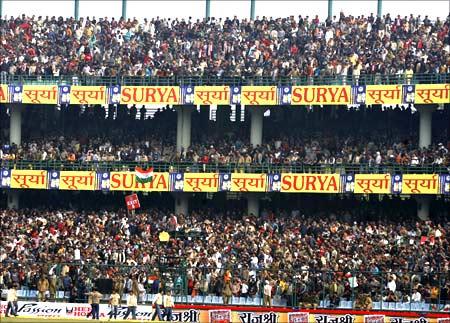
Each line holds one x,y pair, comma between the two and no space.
95,297
168,305
114,301
132,305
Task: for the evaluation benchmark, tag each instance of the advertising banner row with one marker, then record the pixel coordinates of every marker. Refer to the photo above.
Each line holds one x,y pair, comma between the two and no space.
226,95
144,313
228,182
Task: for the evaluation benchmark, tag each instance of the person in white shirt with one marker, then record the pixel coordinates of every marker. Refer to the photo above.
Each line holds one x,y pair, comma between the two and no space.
244,289
11,298
267,294
158,302
168,306
416,296
132,305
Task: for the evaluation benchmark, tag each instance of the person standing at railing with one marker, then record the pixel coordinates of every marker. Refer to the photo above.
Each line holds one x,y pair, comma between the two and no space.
267,294
132,305
96,297
11,298
114,301
158,303
42,287
168,305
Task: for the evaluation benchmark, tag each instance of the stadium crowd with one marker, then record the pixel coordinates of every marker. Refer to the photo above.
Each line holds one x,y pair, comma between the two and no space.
328,255
266,46
317,150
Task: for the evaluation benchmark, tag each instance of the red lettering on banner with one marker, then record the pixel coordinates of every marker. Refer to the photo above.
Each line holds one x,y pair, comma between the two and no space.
309,183
2,95
149,95
320,95
126,181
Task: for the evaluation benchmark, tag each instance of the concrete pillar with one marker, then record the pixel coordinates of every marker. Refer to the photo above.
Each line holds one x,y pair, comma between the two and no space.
15,124
423,207
252,204
183,127
186,140
426,115
13,199
181,203
256,126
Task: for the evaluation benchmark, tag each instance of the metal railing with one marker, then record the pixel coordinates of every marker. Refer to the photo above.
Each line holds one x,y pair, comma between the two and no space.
192,167
292,287
369,79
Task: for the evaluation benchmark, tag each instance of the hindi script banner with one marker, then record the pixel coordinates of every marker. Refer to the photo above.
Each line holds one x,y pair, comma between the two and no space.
432,93
40,94
201,182
29,179
259,95
77,181
372,184
420,184
383,94
208,95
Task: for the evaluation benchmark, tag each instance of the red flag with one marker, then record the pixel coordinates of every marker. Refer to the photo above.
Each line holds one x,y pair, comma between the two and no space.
132,202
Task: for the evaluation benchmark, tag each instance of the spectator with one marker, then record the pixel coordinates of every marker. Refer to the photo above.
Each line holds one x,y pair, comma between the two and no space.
42,288
114,302
132,306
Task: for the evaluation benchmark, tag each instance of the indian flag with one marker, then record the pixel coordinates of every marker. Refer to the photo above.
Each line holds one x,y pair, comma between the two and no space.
142,175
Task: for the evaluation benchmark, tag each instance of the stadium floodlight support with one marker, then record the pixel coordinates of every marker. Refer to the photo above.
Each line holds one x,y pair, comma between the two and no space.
208,8
76,9
379,7
252,9
124,9
1,8
330,9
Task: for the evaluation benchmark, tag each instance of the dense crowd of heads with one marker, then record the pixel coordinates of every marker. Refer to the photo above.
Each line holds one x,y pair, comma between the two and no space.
321,256
332,150
270,47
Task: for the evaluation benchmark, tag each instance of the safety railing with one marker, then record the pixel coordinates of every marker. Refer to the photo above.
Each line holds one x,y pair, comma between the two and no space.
376,290
192,167
369,79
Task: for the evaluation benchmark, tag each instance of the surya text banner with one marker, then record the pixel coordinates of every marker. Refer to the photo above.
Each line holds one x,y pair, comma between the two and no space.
226,182
283,95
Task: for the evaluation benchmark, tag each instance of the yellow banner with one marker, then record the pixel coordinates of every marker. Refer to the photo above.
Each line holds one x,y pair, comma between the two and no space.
310,183
40,94
35,179
432,93
126,181
329,95
4,93
150,94
248,182
77,181
372,183
207,95
420,184
87,94
383,94
259,95
201,182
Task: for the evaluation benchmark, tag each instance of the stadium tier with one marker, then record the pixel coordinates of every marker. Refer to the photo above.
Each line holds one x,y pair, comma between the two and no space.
161,156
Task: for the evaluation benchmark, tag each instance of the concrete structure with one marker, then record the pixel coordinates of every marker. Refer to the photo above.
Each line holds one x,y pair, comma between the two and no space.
256,127
425,127
252,204
15,124
183,127
15,137
181,203
423,207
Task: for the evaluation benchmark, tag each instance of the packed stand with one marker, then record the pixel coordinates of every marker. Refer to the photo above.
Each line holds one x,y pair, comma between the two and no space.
264,47
314,150
301,258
